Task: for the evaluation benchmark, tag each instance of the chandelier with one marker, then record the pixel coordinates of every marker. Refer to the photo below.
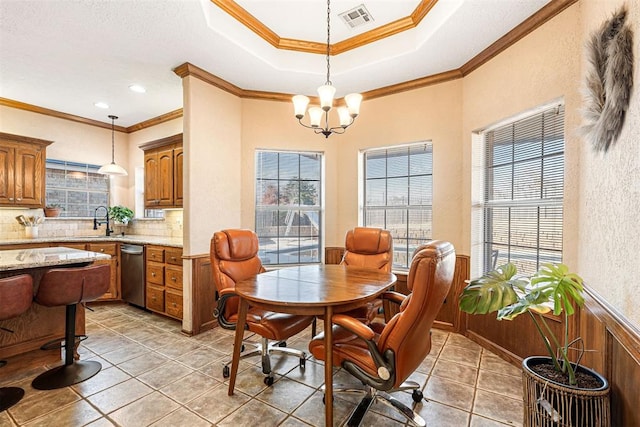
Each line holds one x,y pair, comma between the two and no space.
347,115
112,168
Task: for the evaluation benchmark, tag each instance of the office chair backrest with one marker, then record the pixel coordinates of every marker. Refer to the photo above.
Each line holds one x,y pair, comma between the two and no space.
234,257
368,247
408,333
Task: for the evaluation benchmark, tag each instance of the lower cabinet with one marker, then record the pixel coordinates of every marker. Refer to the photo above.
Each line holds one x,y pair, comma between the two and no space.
106,248
164,280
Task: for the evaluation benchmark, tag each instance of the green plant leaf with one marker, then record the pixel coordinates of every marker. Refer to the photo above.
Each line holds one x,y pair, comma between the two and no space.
492,292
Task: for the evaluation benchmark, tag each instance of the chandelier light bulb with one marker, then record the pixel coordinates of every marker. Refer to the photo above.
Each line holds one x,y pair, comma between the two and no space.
300,103
326,93
345,117
353,101
315,116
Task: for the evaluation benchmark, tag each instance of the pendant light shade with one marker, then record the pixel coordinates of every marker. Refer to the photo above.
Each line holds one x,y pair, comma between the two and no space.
112,168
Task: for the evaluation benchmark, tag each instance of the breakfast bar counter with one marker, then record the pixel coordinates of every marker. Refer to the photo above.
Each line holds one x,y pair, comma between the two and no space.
39,324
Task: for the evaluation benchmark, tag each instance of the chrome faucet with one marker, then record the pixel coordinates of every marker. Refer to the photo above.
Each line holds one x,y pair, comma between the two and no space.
105,219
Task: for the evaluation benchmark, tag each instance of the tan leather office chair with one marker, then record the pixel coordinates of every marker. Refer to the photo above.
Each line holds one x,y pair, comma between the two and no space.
234,257
381,356
370,248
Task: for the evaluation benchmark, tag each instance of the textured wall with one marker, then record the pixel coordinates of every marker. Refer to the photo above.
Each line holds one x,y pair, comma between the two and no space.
609,223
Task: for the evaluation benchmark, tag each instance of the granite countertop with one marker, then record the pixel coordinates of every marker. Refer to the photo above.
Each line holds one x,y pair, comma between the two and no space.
132,239
20,259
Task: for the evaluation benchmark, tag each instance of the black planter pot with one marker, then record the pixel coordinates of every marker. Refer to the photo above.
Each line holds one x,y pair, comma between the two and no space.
548,403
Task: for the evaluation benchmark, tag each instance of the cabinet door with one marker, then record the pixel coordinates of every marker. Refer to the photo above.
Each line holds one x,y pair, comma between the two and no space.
7,171
29,177
151,168
165,177
111,249
177,176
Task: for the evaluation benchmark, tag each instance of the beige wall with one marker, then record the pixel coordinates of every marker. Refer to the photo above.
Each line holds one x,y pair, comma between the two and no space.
609,218
72,141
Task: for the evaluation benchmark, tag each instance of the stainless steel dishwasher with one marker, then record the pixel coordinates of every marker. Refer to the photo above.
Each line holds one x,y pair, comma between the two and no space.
132,274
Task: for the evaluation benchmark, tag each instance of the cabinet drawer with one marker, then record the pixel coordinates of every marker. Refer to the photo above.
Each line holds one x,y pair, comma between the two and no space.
155,254
155,299
155,273
173,256
81,246
105,248
173,277
173,303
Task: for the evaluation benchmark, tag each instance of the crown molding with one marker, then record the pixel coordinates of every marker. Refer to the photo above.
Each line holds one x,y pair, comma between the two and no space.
53,113
175,114
252,23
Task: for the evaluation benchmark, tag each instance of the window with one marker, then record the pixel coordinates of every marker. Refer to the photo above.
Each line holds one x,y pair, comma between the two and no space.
289,206
523,191
398,196
77,187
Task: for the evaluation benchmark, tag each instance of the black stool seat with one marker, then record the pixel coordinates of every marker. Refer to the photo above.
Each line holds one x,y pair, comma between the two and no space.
16,294
70,287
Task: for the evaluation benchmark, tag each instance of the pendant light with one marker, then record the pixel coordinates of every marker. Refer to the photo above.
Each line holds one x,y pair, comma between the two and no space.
112,168
347,114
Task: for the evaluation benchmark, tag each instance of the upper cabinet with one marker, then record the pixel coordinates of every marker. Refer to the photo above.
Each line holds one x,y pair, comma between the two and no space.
163,161
22,171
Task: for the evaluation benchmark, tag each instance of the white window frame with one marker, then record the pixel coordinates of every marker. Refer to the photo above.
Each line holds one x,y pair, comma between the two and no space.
311,212
491,250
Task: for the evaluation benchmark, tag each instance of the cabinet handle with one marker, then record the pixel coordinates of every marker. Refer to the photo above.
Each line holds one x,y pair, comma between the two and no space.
153,274
174,305
102,250
11,199
173,258
19,199
153,297
173,278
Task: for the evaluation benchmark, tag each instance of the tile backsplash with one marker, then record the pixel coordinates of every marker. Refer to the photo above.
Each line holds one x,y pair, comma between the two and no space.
10,229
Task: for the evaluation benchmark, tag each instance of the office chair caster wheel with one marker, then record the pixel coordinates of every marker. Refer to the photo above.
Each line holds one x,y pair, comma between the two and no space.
324,402
268,381
282,344
417,396
226,372
242,349
303,362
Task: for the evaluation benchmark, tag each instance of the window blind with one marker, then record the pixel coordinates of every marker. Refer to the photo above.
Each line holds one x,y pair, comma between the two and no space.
398,196
524,179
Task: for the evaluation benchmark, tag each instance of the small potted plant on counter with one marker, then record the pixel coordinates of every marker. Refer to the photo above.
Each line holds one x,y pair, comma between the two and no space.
52,210
120,214
558,391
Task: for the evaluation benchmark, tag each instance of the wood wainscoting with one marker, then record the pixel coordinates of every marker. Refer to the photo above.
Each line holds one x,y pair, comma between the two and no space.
203,292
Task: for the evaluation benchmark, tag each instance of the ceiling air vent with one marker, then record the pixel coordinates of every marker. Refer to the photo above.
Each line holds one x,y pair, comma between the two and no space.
357,16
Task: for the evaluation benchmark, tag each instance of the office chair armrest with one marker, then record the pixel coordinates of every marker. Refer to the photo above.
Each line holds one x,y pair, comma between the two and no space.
218,312
354,325
395,297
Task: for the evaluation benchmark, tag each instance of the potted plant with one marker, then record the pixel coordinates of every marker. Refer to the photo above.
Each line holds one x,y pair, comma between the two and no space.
558,391
52,210
120,214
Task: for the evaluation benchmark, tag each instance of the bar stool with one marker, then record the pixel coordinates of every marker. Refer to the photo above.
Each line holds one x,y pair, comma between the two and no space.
70,287
16,294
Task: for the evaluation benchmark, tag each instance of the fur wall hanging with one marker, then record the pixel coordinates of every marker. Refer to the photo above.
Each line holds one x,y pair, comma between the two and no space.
609,81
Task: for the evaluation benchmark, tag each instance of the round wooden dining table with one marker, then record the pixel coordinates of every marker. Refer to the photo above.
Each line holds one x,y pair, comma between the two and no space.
319,290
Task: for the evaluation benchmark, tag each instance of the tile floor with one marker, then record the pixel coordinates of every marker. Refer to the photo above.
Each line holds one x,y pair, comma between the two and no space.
153,375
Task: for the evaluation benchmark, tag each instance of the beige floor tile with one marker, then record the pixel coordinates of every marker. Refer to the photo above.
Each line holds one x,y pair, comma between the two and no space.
465,356
143,363
251,381
478,421
215,405
286,394
464,342
181,417
312,410
164,374
36,405
181,347
75,414
145,411
312,375
455,371
101,381
200,357
491,362
437,414
498,407
5,420
189,387
254,413
126,352
119,395
449,393
502,384
292,421
101,422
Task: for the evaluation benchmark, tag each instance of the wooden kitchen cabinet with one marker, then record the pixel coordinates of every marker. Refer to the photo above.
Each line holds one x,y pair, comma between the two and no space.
163,173
22,171
164,280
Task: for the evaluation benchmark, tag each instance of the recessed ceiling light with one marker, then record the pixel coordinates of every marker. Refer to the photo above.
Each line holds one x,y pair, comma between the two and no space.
101,105
137,88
